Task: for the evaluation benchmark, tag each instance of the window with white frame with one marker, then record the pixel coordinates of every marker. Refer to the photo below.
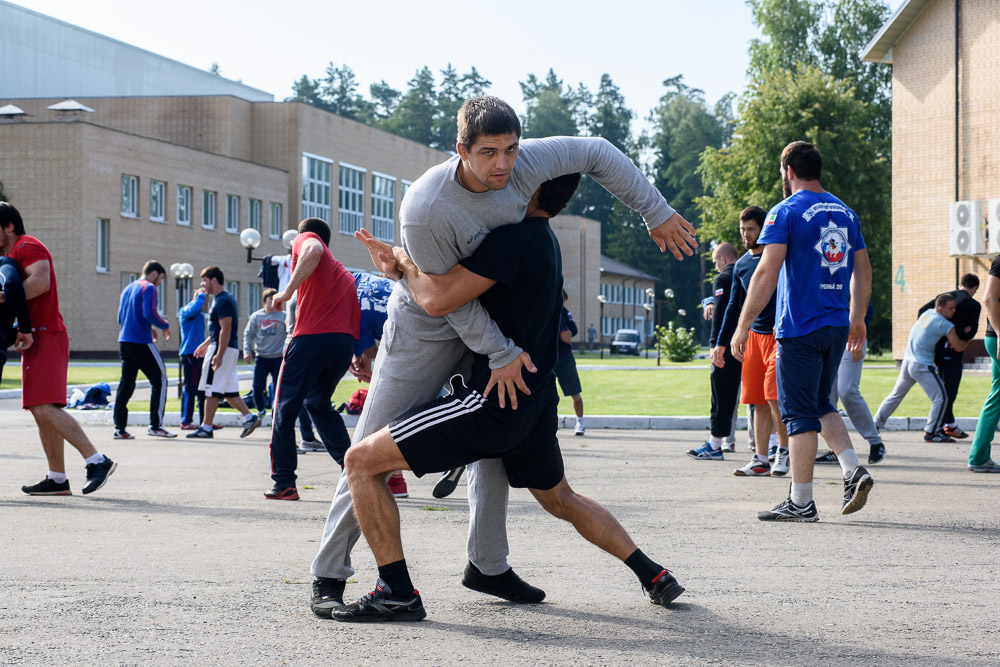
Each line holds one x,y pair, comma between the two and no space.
232,214
161,300
276,222
383,206
629,292
233,288
253,215
183,205
606,291
316,173
253,298
130,196
157,201
127,278
208,210
403,187
103,245
352,199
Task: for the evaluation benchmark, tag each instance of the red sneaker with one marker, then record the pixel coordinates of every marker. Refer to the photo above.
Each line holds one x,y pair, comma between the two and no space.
955,432
282,493
188,427
398,486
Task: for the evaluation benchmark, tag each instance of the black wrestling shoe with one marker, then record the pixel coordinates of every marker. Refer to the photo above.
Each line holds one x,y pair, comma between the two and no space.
98,473
48,487
448,482
328,594
789,511
508,585
664,589
876,453
382,605
856,489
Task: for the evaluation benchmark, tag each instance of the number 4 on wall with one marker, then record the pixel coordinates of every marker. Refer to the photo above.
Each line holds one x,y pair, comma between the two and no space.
898,280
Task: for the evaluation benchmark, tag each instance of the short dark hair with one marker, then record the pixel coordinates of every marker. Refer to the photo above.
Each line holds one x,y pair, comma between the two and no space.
151,266
755,213
214,272
970,280
318,227
268,293
485,116
943,300
10,216
553,195
804,158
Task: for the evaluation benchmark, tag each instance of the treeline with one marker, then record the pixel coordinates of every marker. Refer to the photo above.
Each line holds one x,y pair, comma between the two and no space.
709,160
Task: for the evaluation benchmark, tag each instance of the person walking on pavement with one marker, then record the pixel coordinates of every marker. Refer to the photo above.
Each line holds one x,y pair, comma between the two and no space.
192,318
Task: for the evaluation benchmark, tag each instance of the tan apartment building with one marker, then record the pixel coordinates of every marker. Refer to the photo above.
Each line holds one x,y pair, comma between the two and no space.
627,304
945,57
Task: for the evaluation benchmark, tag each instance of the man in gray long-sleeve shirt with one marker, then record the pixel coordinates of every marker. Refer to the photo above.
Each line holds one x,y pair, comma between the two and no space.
444,217
263,346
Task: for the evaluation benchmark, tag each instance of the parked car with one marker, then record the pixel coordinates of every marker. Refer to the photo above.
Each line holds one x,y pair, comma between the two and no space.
626,342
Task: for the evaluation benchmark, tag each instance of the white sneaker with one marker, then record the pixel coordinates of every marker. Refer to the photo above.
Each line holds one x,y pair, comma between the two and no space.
728,446
989,466
754,469
780,467
580,428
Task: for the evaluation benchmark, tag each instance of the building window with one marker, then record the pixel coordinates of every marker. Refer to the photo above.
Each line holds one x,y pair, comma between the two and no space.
157,201
253,298
161,301
183,205
276,223
233,288
253,216
629,295
352,199
183,292
232,214
208,210
128,278
316,173
383,206
103,245
130,196
403,187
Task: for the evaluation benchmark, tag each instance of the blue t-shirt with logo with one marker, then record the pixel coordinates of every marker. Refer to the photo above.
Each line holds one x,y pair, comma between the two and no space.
373,296
822,235
924,336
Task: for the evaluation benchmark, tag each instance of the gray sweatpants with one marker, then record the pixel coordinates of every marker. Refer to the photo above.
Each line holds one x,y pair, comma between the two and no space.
847,388
911,373
409,372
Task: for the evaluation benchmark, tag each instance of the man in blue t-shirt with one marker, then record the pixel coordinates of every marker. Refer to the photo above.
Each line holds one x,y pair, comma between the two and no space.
815,254
918,367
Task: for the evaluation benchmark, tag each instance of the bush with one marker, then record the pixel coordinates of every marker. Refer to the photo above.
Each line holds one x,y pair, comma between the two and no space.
677,344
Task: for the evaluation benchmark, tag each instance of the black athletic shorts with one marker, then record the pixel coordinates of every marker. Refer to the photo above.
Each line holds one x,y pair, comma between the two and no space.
464,427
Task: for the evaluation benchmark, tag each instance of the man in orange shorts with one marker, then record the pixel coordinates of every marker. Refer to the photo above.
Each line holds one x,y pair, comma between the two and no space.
44,364
760,386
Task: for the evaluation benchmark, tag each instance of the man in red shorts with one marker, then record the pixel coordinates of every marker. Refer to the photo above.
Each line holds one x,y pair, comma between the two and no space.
45,362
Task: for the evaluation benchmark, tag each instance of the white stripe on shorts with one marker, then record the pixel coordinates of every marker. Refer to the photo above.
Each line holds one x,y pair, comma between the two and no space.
437,415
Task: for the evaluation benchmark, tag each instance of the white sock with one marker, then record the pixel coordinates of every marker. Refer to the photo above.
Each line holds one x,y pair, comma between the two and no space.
206,427
715,443
730,440
848,461
59,477
951,425
579,421
96,458
802,493
761,458
773,441
248,417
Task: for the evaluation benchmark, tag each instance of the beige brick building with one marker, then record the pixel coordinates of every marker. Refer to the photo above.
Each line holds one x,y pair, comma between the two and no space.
945,57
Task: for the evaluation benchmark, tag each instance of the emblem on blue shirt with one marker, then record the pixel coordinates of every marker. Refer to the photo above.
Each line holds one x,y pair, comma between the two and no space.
833,247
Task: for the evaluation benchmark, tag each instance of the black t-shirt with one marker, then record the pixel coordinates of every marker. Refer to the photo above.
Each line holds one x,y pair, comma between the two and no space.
224,305
722,289
526,302
15,306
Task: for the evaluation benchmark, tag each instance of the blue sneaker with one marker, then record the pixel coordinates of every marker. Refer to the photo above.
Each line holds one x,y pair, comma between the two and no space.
706,452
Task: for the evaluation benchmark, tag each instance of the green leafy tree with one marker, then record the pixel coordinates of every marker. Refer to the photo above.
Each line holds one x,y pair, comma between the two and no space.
452,92
307,90
384,99
413,117
550,108
339,90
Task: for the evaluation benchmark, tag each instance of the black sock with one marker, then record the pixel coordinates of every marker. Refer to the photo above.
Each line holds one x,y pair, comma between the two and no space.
644,568
397,576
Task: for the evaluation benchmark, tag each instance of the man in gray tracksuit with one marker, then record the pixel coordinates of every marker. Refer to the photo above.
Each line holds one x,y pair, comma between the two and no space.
444,217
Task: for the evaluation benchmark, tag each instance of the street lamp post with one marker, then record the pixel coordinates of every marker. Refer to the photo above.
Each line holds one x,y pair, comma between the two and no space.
181,272
601,300
250,239
649,309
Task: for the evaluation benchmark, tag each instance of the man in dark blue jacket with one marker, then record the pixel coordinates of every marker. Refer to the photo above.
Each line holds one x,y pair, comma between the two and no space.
13,308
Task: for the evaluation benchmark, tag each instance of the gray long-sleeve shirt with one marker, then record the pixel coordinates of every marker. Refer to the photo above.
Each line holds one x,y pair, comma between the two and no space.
265,333
441,223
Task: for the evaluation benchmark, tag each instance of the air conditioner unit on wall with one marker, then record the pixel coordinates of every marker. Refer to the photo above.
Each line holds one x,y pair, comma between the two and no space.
993,223
967,228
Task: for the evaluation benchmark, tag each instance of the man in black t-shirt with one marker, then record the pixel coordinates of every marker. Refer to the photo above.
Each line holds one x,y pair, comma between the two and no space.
13,308
725,379
517,275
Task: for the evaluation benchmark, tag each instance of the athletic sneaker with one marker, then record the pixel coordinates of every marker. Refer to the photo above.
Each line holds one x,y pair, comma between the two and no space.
705,452
160,432
989,466
940,436
580,428
189,427
121,434
772,451
307,446
328,594
664,589
448,482
382,605
201,433
397,484
780,468
729,446
955,432
50,487
876,453
506,585
282,493
98,473
827,457
856,489
753,469
789,511
250,425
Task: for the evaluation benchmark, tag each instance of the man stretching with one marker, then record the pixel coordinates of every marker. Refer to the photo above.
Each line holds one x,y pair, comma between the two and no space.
517,271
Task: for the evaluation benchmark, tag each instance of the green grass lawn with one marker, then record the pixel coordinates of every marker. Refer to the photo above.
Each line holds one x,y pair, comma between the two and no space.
75,375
